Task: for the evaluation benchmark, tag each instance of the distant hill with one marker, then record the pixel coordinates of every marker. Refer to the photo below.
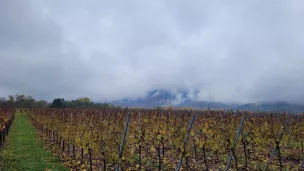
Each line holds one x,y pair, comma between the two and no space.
273,106
185,98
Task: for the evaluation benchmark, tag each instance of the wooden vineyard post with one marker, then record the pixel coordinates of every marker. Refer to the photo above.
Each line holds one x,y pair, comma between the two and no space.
138,119
2,138
185,142
123,140
108,118
275,148
235,141
81,155
74,154
159,159
140,157
90,159
62,146
302,165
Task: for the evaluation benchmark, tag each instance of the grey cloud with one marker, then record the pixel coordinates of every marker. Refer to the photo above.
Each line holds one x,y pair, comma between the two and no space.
239,51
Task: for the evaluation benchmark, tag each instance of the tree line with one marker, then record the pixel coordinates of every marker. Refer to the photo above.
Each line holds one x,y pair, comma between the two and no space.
22,101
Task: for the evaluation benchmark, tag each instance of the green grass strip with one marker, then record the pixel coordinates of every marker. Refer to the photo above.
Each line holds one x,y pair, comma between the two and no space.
25,151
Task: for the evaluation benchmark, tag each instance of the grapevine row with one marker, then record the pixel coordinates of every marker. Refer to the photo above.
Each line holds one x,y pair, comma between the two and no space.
91,139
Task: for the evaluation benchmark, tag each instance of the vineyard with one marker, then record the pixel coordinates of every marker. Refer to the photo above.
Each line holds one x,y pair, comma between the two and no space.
154,139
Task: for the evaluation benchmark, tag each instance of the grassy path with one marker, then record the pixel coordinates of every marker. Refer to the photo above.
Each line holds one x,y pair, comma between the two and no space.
25,151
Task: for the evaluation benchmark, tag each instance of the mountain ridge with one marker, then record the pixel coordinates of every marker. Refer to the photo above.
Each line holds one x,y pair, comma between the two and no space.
183,98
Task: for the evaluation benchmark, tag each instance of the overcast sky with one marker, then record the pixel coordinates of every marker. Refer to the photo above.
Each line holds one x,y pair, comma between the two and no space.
239,51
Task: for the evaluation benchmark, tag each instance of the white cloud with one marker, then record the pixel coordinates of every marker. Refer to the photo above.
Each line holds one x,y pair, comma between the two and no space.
237,51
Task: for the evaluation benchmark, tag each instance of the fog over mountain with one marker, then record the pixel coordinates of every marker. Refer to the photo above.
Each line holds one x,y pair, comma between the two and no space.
183,98
234,51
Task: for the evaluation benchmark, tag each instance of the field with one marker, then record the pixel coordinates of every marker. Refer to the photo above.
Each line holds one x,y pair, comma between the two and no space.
91,139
